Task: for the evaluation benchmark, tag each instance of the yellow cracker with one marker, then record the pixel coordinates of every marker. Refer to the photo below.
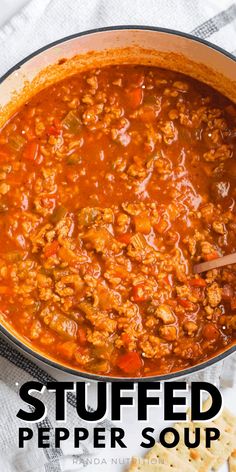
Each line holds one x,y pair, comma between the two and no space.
225,415
200,458
143,465
165,456
232,462
228,418
226,423
221,426
222,447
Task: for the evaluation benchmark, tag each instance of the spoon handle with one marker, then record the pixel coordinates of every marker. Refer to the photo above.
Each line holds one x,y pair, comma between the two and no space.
219,262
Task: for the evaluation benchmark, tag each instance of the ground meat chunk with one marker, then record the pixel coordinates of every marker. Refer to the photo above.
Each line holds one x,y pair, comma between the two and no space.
189,350
152,347
214,294
169,333
4,188
98,318
228,321
123,221
165,313
218,227
93,215
211,275
107,299
208,212
101,240
35,330
190,327
170,132
183,291
98,338
140,250
207,248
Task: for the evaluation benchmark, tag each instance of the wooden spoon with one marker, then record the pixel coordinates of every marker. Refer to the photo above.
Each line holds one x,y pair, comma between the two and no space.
219,262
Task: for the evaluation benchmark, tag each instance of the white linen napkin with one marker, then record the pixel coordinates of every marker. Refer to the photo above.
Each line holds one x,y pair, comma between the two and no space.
37,24
43,21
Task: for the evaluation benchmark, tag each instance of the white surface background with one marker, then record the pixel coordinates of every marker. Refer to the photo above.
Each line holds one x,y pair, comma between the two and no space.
132,427
8,8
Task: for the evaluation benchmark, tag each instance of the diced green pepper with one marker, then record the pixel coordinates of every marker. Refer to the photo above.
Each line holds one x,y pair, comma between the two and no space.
72,122
58,214
16,142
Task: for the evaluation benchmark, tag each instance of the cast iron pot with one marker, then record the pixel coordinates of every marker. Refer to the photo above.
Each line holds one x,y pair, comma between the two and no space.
114,45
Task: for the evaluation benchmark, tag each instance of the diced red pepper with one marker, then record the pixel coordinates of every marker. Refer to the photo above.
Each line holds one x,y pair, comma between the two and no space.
147,114
135,97
51,249
167,280
67,255
72,175
233,303
139,294
208,171
125,339
211,256
81,351
161,226
172,238
6,290
52,131
30,135
136,79
197,282
31,151
125,237
227,292
130,363
4,156
186,304
82,336
231,109
210,332
142,224
67,349
121,272
55,128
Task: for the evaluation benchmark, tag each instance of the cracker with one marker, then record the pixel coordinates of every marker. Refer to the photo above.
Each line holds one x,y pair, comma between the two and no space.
226,422
165,456
225,416
232,462
224,426
181,458
228,418
221,426
222,447
200,458
143,465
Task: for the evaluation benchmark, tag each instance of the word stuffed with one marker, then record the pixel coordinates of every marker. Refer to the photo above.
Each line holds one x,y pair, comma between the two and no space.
168,395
